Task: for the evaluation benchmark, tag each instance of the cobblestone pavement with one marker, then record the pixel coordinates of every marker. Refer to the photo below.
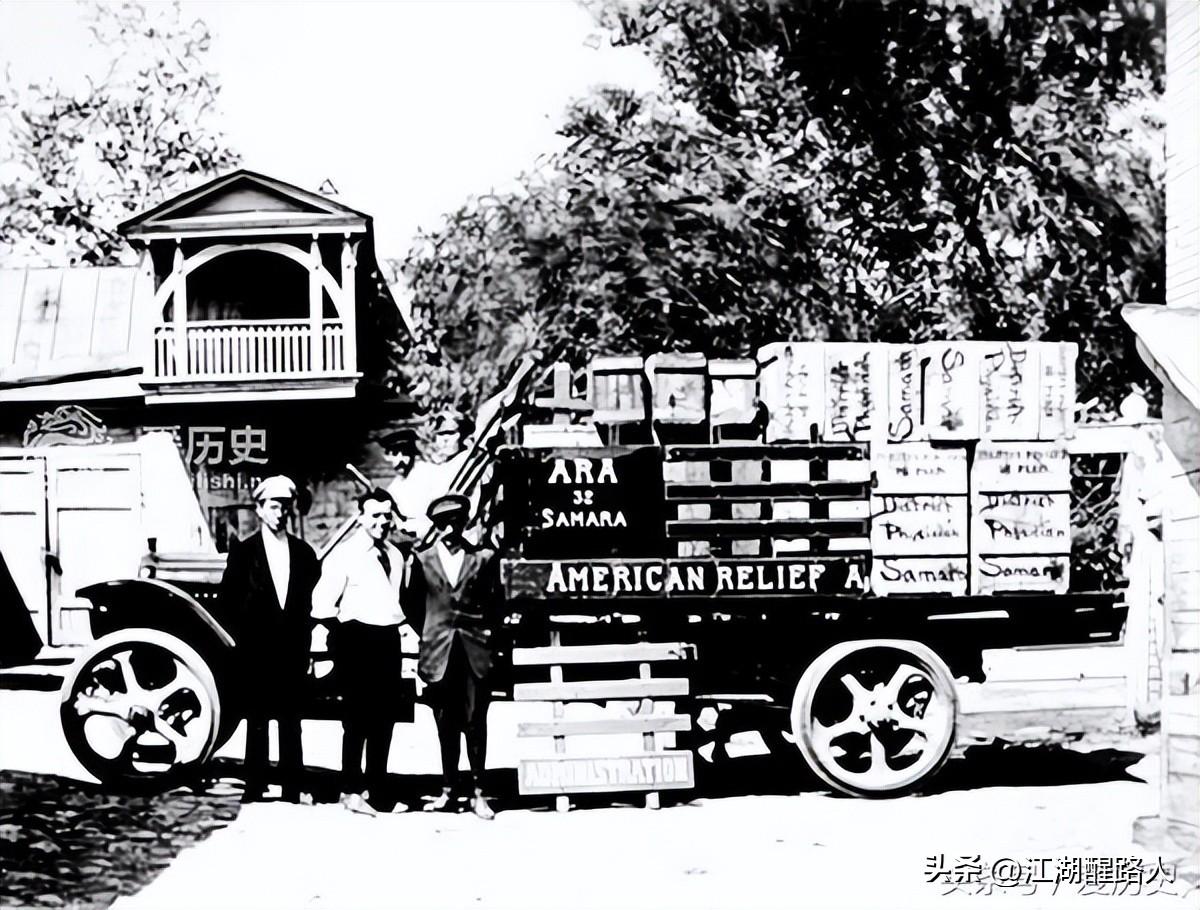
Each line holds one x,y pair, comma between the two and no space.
68,844
757,832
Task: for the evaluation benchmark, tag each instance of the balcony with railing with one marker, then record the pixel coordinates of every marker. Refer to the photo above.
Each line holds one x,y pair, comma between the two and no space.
263,353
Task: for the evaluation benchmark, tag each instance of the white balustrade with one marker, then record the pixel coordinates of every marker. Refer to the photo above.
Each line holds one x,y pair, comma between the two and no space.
250,350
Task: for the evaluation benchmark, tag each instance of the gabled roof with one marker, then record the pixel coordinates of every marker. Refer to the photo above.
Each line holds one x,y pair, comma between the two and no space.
244,202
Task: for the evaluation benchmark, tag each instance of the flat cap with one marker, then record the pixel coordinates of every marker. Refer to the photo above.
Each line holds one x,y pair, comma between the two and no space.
448,505
275,487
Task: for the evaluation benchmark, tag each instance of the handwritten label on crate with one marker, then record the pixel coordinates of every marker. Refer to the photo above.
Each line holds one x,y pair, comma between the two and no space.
918,467
648,771
1056,367
903,394
1014,466
1020,523
1010,386
951,400
919,575
792,386
924,525
855,392
1051,573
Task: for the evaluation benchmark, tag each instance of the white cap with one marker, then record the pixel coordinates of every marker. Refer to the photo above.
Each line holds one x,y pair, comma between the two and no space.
276,487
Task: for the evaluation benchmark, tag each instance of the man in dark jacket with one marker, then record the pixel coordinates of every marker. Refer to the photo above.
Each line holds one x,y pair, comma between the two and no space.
462,591
267,592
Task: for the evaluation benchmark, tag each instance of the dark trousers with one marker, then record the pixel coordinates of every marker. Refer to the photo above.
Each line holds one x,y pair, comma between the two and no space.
258,717
369,667
460,706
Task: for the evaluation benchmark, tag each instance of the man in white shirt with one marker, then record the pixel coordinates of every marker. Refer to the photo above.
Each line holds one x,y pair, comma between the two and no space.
266,594
363,584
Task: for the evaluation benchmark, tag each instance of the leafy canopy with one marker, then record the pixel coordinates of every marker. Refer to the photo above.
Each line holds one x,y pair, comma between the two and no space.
75,163
829,169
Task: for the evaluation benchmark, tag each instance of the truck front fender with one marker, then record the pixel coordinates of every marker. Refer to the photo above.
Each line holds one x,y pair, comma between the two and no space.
149,603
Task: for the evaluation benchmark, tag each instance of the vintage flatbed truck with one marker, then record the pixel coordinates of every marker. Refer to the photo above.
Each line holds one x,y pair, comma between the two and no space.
816,584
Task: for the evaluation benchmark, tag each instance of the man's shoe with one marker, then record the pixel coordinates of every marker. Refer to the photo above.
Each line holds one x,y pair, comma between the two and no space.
479,805
354,802
439,803
252,795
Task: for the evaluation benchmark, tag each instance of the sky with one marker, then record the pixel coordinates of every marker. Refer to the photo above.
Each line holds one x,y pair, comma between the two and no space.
407,107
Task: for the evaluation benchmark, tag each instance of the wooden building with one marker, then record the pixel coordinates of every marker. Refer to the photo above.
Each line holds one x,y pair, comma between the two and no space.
139,406
1168,340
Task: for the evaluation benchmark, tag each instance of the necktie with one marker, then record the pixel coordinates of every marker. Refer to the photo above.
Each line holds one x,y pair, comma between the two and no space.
383,559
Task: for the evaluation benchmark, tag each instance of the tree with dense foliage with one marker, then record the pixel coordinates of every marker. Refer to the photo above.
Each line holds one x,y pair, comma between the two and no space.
74,163
823,169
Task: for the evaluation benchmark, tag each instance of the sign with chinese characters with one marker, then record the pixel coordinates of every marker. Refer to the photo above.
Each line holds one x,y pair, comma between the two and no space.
657,578
855,392
791,383
226,447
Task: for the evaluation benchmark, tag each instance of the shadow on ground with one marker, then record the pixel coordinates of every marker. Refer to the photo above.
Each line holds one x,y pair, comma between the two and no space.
998,764
67,843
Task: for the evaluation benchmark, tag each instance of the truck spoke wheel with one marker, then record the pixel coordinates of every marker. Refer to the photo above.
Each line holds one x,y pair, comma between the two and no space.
876,717
140,707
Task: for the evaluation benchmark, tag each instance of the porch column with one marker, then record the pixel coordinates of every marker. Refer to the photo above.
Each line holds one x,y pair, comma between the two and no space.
316,340
348,310
179,312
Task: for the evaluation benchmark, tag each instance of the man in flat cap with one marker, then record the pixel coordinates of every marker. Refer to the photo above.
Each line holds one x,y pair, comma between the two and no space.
366,584
462,591
267,591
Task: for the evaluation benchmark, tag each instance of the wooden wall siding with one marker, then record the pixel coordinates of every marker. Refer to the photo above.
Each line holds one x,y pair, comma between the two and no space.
55,321
1183,152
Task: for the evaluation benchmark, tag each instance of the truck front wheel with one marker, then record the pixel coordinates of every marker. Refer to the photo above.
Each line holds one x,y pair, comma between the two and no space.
141,708
875,717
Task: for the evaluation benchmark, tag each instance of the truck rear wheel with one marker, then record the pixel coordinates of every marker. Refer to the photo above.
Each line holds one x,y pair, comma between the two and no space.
875,717
141,708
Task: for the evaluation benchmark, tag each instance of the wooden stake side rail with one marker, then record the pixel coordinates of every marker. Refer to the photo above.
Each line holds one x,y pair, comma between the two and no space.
601,654
720,491
752,529
600,690
784,451
648,771
635,723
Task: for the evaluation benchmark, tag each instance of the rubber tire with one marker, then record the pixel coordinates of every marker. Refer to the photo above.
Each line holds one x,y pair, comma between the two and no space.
100,768
806,690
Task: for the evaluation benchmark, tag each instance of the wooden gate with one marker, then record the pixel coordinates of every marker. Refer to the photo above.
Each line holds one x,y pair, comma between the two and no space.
69,517
95,526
